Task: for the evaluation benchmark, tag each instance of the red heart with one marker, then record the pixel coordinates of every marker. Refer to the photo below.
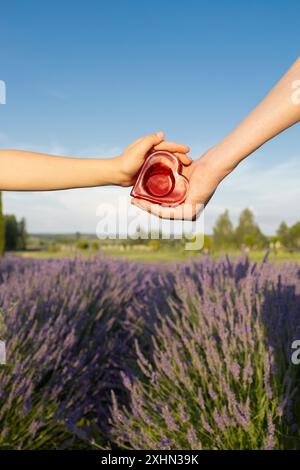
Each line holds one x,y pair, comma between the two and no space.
160,180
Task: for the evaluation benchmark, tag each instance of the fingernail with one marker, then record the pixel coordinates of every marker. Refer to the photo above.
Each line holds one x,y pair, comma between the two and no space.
160,134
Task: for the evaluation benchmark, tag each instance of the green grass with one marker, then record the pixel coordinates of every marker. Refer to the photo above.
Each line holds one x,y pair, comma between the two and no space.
48,254
159,256
259,255
162,255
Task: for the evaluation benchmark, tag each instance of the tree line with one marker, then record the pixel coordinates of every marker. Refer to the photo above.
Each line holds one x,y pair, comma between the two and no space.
225,235
13,233
248,233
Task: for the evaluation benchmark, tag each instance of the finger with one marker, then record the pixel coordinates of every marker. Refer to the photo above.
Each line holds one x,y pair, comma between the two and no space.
146,143
135,142
172,147
185,159
156,209
182,212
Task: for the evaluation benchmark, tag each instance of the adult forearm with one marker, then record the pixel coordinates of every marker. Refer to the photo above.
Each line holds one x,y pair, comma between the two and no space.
279,110
28,171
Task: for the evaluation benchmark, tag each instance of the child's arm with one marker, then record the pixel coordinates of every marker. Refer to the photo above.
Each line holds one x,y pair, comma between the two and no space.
27,171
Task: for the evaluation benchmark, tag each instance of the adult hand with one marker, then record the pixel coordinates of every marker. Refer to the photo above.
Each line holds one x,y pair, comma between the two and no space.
204,175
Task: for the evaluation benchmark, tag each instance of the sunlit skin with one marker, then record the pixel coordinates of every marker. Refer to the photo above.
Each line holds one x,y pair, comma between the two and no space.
279,110
28,171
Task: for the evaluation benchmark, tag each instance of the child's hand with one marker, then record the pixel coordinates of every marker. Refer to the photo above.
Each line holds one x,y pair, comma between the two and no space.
131,160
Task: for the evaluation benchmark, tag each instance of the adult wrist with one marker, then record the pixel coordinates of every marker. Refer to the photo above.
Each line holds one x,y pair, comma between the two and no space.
220,161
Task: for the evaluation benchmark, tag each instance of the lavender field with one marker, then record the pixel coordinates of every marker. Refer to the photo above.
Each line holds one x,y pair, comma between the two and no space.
107,353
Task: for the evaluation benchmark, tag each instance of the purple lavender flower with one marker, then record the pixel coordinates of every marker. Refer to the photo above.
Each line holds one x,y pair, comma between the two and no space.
149,356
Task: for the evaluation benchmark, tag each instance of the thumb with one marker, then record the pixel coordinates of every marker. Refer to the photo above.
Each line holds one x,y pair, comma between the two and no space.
146,143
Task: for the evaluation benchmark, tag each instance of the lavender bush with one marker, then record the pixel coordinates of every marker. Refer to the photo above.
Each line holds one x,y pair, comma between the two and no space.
64,349
180,356
219,375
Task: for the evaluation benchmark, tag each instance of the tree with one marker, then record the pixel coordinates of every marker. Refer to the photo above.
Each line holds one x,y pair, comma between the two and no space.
2,239
283,234
22,235
294,236
248,232
11,232
223,233
82,245
289,236
15,233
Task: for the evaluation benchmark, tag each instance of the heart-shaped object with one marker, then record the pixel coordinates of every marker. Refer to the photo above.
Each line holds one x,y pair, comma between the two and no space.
160,180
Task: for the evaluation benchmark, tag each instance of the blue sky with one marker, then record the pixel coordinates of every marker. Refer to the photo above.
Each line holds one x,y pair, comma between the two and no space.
87,78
